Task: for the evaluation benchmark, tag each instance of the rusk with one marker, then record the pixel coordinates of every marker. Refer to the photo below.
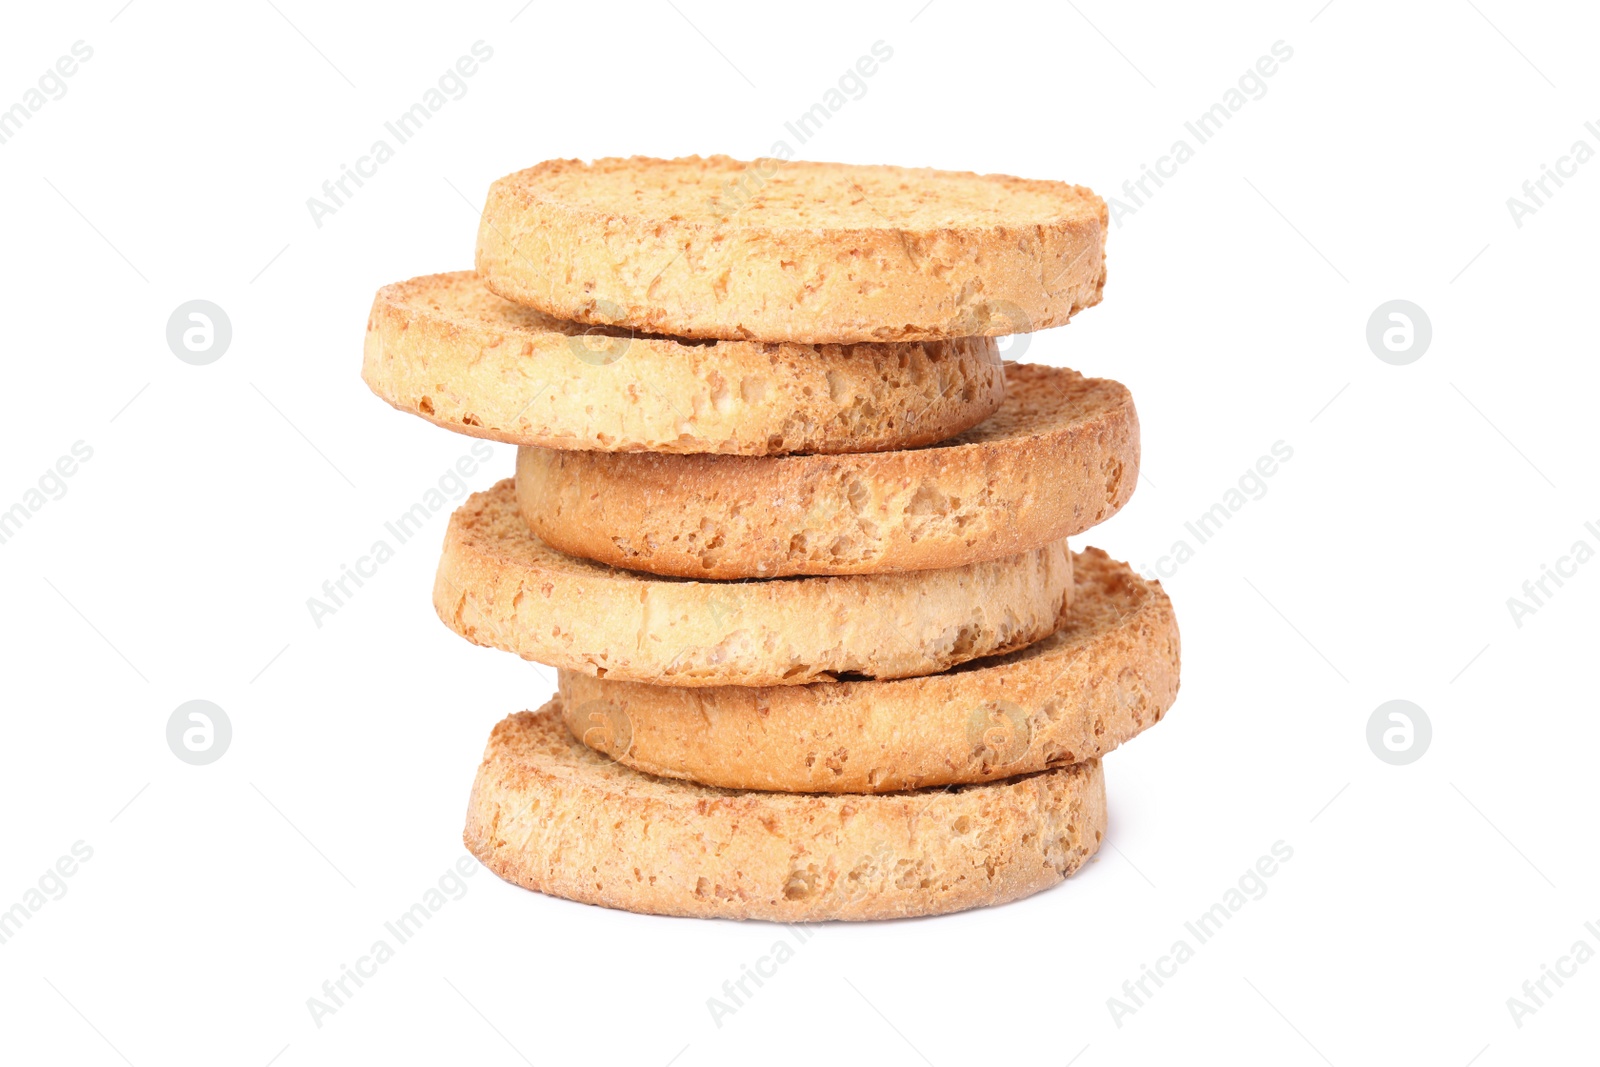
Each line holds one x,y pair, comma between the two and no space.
552,815
1061,455
792,251
499,585
1109,673
444,347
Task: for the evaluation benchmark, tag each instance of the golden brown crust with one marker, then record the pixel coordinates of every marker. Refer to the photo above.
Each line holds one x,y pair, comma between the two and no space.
498,585
444,347
1060,456
549,814
793,251
1108,674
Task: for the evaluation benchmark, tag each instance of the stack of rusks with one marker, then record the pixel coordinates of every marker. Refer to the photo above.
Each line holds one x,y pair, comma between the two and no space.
791,530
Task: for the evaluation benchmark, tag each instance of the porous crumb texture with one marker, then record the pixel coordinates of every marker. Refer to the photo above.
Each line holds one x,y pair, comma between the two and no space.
444,347
498,585
1108,674
792,251
1059,456
552,815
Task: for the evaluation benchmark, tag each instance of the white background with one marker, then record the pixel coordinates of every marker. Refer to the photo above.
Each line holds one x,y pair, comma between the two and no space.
1377,566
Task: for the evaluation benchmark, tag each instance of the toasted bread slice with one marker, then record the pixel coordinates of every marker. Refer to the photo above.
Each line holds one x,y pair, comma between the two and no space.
792,251
1108,674
1060,456
553,815
444,347
499,585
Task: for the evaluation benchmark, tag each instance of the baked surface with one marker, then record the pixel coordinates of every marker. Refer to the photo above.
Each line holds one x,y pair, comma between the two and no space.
1060,456
444,347
499,585
1108,674
552,815
792,250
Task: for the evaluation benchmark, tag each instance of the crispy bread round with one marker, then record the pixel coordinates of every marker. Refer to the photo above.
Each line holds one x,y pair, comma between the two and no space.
1061,455
1109,673
444,347
792,251
549,814
499,585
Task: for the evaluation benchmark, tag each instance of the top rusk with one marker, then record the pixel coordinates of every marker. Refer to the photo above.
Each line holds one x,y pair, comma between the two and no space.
792,251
